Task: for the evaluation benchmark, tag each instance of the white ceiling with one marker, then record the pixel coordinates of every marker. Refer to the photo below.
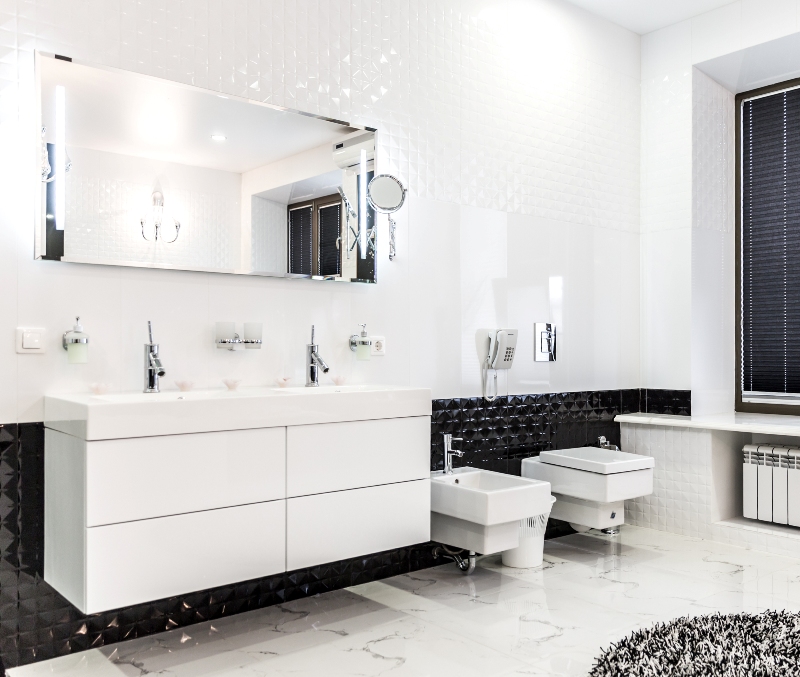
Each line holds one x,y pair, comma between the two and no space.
132,114
644,16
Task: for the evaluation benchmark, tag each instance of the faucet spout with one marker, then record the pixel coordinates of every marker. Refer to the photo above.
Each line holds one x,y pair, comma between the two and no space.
155,363
320,362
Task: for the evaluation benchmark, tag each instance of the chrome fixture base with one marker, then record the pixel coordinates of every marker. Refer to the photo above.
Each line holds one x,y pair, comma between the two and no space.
236,341
544,342
467,566
449,452
611,531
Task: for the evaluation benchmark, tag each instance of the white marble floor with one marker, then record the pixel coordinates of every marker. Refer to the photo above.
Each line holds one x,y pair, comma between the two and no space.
592,590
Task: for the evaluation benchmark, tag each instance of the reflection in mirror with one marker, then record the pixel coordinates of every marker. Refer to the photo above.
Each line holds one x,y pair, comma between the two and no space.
387,194
140,171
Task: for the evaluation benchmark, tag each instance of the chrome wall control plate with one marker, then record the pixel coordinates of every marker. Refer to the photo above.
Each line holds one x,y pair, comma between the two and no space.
544,342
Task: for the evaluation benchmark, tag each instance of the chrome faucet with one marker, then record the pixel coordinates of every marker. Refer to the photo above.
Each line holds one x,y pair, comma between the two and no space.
603,443
314,363
152,364
449,452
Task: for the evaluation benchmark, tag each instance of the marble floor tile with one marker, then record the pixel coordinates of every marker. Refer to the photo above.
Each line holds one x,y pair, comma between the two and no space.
499,622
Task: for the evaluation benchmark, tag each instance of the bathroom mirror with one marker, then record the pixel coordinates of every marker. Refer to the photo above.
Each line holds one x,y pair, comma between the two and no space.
386,194
140,171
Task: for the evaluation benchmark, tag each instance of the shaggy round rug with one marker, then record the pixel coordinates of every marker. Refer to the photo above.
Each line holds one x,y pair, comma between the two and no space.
731,645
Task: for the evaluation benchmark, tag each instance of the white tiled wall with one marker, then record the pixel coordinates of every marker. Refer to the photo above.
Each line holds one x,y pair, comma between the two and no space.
695,488
513,117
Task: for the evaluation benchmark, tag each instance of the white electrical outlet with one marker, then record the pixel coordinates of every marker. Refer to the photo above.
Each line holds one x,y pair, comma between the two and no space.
378,346
31,340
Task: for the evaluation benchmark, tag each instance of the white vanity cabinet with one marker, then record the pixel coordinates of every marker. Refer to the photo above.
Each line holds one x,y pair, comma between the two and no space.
131,519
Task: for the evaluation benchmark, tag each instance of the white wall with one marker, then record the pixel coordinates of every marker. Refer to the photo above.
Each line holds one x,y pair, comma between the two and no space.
687,254
514,125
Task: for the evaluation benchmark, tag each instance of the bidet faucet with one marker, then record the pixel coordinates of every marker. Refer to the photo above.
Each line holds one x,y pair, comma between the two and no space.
603,443
152,364
449,452
314,363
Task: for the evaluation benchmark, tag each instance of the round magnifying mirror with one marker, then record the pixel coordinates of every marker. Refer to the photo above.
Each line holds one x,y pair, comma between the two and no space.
385,193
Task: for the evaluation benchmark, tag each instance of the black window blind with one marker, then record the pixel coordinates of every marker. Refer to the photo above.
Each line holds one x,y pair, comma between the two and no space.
770,245
300,243
330,230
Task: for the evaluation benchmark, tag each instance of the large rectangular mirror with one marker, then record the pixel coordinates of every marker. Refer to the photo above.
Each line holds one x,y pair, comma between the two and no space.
140,171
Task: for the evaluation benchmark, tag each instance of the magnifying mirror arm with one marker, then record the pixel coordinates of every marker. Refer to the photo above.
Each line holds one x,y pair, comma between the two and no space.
392,247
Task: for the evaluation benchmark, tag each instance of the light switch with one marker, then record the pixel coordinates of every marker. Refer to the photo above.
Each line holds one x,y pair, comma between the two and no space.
31,340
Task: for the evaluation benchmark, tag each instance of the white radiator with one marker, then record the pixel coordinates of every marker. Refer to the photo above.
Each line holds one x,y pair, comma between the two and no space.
771,484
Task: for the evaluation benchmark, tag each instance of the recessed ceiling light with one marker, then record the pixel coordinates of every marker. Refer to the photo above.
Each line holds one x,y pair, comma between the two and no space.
218,137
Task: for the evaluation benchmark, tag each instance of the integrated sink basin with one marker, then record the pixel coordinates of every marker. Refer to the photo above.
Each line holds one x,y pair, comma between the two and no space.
123,415
481,510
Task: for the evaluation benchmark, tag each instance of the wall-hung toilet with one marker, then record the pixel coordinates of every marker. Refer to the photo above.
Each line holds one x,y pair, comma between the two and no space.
590,484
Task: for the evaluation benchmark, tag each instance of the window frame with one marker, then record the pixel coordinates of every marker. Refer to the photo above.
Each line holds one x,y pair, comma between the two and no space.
791,407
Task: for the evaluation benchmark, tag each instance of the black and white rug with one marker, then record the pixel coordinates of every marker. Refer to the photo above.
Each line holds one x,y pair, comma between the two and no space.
731,645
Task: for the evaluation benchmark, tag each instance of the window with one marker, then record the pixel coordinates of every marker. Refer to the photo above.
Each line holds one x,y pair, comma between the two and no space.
768,249
315,231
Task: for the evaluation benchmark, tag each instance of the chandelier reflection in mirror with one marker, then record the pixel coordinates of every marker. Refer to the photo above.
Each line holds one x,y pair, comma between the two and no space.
156,220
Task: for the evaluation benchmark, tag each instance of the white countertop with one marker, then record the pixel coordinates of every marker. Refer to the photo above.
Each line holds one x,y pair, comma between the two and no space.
767,424
123,415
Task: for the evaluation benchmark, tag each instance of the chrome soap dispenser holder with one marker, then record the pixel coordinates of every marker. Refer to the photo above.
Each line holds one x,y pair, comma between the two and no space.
361,345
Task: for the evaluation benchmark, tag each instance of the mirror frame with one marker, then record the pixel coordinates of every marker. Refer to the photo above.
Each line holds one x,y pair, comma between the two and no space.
40,223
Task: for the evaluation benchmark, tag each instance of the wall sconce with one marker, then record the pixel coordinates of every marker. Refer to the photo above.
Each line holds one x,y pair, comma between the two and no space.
156,218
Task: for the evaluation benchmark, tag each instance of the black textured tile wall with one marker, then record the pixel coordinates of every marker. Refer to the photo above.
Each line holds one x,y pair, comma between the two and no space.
37,623
498,435
675,402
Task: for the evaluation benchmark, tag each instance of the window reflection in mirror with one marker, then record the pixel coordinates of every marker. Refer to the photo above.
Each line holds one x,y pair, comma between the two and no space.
147,172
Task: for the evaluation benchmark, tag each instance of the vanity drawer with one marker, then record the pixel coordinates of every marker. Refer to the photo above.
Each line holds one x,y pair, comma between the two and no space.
329,527
145,477
338,456
141,561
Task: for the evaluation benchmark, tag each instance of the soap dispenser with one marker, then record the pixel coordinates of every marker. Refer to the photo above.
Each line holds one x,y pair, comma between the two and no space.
76,343
361,345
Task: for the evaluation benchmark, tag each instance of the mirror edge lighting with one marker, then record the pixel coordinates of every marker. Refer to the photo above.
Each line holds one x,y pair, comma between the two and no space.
40,225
